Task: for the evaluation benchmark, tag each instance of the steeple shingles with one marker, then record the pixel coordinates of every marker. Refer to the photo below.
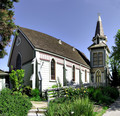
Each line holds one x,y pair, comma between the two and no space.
99,28
99,33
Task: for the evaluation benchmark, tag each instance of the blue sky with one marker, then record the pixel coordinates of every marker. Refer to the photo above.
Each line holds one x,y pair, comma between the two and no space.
72,21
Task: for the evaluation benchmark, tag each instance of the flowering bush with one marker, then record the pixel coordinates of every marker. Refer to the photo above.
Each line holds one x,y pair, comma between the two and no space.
74,93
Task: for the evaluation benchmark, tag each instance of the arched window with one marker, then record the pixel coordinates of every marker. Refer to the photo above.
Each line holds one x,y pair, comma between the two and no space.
73,73
18,62
85,75
98,76
52,69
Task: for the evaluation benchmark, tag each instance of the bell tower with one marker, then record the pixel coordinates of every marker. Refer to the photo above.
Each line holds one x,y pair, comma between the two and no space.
99,53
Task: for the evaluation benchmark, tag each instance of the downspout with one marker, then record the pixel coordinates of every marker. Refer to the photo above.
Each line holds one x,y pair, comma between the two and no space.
39,66
33,79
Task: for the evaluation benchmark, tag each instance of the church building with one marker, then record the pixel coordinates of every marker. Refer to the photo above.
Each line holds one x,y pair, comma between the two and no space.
48,61
99,54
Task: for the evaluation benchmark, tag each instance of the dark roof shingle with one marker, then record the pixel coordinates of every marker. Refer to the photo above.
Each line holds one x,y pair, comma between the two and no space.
51,44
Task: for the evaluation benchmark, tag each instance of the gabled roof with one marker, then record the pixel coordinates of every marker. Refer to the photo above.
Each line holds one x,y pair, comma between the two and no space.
48,43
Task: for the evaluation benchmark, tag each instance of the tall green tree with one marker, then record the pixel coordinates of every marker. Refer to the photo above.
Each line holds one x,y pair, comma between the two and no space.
115,72
7,25
116,48
115,60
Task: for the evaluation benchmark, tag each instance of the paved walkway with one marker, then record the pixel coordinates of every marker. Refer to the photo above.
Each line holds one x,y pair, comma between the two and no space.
38,108
114,109
39,104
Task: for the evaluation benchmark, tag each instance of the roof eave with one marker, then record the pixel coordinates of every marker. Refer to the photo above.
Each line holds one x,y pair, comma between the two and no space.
38,49
11,50
9,59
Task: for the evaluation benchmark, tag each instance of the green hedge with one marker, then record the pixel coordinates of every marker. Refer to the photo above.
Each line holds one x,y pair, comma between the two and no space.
13,104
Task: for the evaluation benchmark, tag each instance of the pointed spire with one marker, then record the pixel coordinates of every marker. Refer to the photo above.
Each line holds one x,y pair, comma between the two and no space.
99,33
99,28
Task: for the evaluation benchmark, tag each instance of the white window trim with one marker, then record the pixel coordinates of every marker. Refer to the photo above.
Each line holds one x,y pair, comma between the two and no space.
50,80
18,38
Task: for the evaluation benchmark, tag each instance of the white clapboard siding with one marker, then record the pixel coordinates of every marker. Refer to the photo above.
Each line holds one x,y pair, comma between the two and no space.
76,76
45,73
83,76
69,74
2,83
59,73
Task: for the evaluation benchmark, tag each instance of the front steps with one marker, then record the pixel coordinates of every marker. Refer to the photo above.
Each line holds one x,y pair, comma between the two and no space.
36,112
38,108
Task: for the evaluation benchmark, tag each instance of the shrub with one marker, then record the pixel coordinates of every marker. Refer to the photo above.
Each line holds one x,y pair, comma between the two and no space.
90,92
72,93
27,90
35,95
16,78
35,92
55,86
12,104
77,107
103,95
97,95
111,92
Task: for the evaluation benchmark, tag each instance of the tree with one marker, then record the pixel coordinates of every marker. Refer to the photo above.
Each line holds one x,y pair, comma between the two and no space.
7,25
115,72
115,60
116,48
16,78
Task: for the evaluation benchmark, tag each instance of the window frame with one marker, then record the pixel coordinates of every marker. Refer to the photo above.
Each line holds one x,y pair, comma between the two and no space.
85,75
54,69
95,57
98,58
73,73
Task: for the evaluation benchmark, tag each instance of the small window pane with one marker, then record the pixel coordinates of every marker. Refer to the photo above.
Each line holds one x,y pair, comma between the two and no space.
100,58
53,69
95,59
